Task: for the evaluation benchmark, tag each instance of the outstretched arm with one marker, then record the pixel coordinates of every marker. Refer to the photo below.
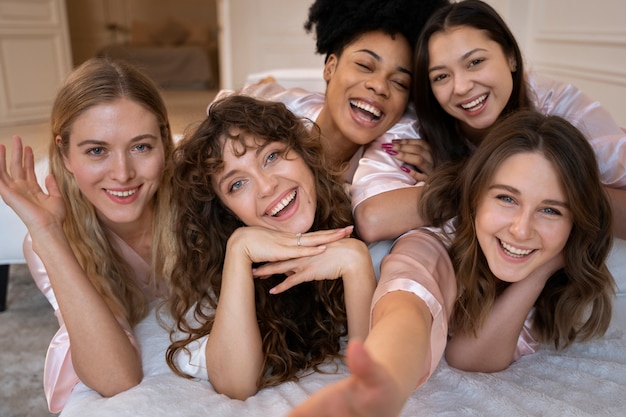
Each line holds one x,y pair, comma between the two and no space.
407,338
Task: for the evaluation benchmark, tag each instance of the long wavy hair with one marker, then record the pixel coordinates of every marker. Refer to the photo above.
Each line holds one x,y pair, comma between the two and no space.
576,301
300,328
95,82
437,127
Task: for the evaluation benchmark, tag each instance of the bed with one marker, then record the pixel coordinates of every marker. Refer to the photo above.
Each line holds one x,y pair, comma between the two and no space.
174,54
588,379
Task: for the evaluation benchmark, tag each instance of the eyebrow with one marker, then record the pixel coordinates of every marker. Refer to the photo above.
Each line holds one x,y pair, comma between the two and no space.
515,191
377,57
463,57
101,142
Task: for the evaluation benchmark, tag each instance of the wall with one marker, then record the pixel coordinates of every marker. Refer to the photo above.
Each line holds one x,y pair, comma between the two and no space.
583,43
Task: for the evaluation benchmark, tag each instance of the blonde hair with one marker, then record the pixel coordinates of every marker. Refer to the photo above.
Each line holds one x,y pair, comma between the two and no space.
98,81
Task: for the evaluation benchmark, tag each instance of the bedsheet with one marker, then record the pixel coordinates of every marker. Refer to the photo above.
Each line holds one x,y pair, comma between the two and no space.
588,379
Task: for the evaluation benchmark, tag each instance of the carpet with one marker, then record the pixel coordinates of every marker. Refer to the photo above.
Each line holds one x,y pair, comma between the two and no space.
26,328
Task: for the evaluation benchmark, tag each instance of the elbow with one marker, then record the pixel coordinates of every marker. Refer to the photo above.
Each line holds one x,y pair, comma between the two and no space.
121,384
470,364
368,223
235,391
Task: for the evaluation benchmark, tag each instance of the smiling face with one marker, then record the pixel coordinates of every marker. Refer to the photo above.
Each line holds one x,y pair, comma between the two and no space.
265,186
470,77
117,158
522,219
367,88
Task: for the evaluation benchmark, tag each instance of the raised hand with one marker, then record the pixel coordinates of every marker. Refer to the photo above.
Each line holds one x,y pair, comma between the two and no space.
21,191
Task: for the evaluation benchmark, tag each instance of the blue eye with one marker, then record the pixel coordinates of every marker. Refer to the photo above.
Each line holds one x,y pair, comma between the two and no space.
273,156
506,198
551,211
235,186
142,147
95,151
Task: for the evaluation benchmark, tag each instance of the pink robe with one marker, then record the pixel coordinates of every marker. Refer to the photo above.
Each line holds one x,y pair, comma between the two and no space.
59,376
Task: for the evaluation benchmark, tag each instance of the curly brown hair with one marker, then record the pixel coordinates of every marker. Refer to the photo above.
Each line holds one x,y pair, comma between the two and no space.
300,328
576,301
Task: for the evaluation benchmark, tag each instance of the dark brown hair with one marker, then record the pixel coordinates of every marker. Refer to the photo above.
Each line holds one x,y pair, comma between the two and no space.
437,127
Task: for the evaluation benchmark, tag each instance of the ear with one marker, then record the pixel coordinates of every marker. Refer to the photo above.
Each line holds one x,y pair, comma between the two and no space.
330,66
512,64
57,141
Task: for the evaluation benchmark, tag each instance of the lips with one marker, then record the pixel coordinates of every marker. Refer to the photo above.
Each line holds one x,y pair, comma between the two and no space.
474,104
513,251
280,206
370,112
122,194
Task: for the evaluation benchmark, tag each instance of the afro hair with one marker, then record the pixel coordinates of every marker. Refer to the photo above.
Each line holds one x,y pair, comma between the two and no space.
338,22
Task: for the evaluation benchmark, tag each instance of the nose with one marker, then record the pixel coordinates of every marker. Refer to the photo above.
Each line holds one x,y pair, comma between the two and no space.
522,226
462,84
378,85
266,184
122,168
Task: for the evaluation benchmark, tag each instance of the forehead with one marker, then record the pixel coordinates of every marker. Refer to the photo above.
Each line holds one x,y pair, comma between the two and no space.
382,43
460,36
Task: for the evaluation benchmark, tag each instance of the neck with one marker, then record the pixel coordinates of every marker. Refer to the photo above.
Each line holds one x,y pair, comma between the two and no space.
473,135
337,147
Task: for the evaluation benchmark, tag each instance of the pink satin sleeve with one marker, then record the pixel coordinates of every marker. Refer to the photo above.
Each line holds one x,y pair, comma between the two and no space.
379,172
606,137
526,343
418,263
59,378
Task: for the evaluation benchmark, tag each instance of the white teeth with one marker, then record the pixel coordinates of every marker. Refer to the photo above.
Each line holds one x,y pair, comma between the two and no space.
283,203
513,251
474,103
122,193
368,108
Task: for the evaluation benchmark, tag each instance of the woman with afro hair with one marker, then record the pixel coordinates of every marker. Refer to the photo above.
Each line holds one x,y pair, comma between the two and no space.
368,48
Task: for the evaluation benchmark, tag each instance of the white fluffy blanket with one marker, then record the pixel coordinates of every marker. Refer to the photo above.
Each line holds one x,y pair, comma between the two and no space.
588,379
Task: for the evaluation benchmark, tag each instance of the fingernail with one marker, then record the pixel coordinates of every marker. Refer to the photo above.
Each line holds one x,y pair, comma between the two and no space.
387,145
391,152
405,169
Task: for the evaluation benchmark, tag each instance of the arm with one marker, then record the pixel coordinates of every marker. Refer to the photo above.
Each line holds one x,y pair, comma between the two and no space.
406,341
347,259
389,214
386,189
103,356
493,347
234,353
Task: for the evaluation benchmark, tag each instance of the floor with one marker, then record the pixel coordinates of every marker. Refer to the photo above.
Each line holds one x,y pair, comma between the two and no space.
184,107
